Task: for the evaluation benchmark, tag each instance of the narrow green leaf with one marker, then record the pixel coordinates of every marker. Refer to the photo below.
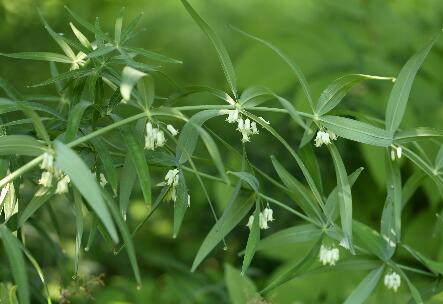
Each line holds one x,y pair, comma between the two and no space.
370,240
434,266
69,75
146,89
128,176
7,106
213,151
343,194
10,91
118,27
125,234
41,196
188,138
82,38
399,96
292,65
37,122
365,288
180,204
411,185
17,263
394,191
439,159
357,131
87,25
20,145
107,162
408,136
332,202
78,205
253,239
298,192
293,235
40,56
241,289
222,53
74,119
338,89
152,55
232,215
250,179
101,51
301,267
137,155
70,163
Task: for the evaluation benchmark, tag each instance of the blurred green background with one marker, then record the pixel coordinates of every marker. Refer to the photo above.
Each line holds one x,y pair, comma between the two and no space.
327,39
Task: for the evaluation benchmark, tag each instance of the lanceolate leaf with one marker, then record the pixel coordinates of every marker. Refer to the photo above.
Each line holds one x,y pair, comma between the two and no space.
74,119
365,288
107,161
434,266
78,205
40,198
343,194
137,155
222,53
240,288
338,89
125,234
20,145
233,214
42,56
180,204
17,263
357,130
70,163
394,191
188,138
128,176
403,137
293,235
370,240
254,237
250,179
301,267
399,96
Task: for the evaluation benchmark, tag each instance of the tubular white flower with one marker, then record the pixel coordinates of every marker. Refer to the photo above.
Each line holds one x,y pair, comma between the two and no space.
399,151
47,162
396,152
154,137
392,281
250,221
172,130
232,116
324,138
79,61
160,139
103,180
254,128
329,255
62,185
46,179
172,177
189,200
263,222
268,214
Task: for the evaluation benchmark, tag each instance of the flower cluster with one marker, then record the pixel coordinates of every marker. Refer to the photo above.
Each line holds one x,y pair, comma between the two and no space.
102,179
324,138
171,179
396,152
392,281
79,61
245,126
329,255
263,218
50,172
154,137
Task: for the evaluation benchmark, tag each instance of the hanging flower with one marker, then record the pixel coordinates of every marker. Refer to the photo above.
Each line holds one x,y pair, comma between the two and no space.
268,214
79,61
62,185
189,200
154,137
329,255
392,281
264,217
47,162
250,222
172,130
262,221
396,152
245,126
103,180
46,179
324,138
172,178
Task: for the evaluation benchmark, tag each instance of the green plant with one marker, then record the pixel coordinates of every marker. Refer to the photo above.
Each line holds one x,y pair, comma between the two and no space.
105,118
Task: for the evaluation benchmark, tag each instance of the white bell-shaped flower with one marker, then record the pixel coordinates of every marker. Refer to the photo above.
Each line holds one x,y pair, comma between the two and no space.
329,255
250,222
46,179
268,214
172,130
47,162
392,281
63,185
